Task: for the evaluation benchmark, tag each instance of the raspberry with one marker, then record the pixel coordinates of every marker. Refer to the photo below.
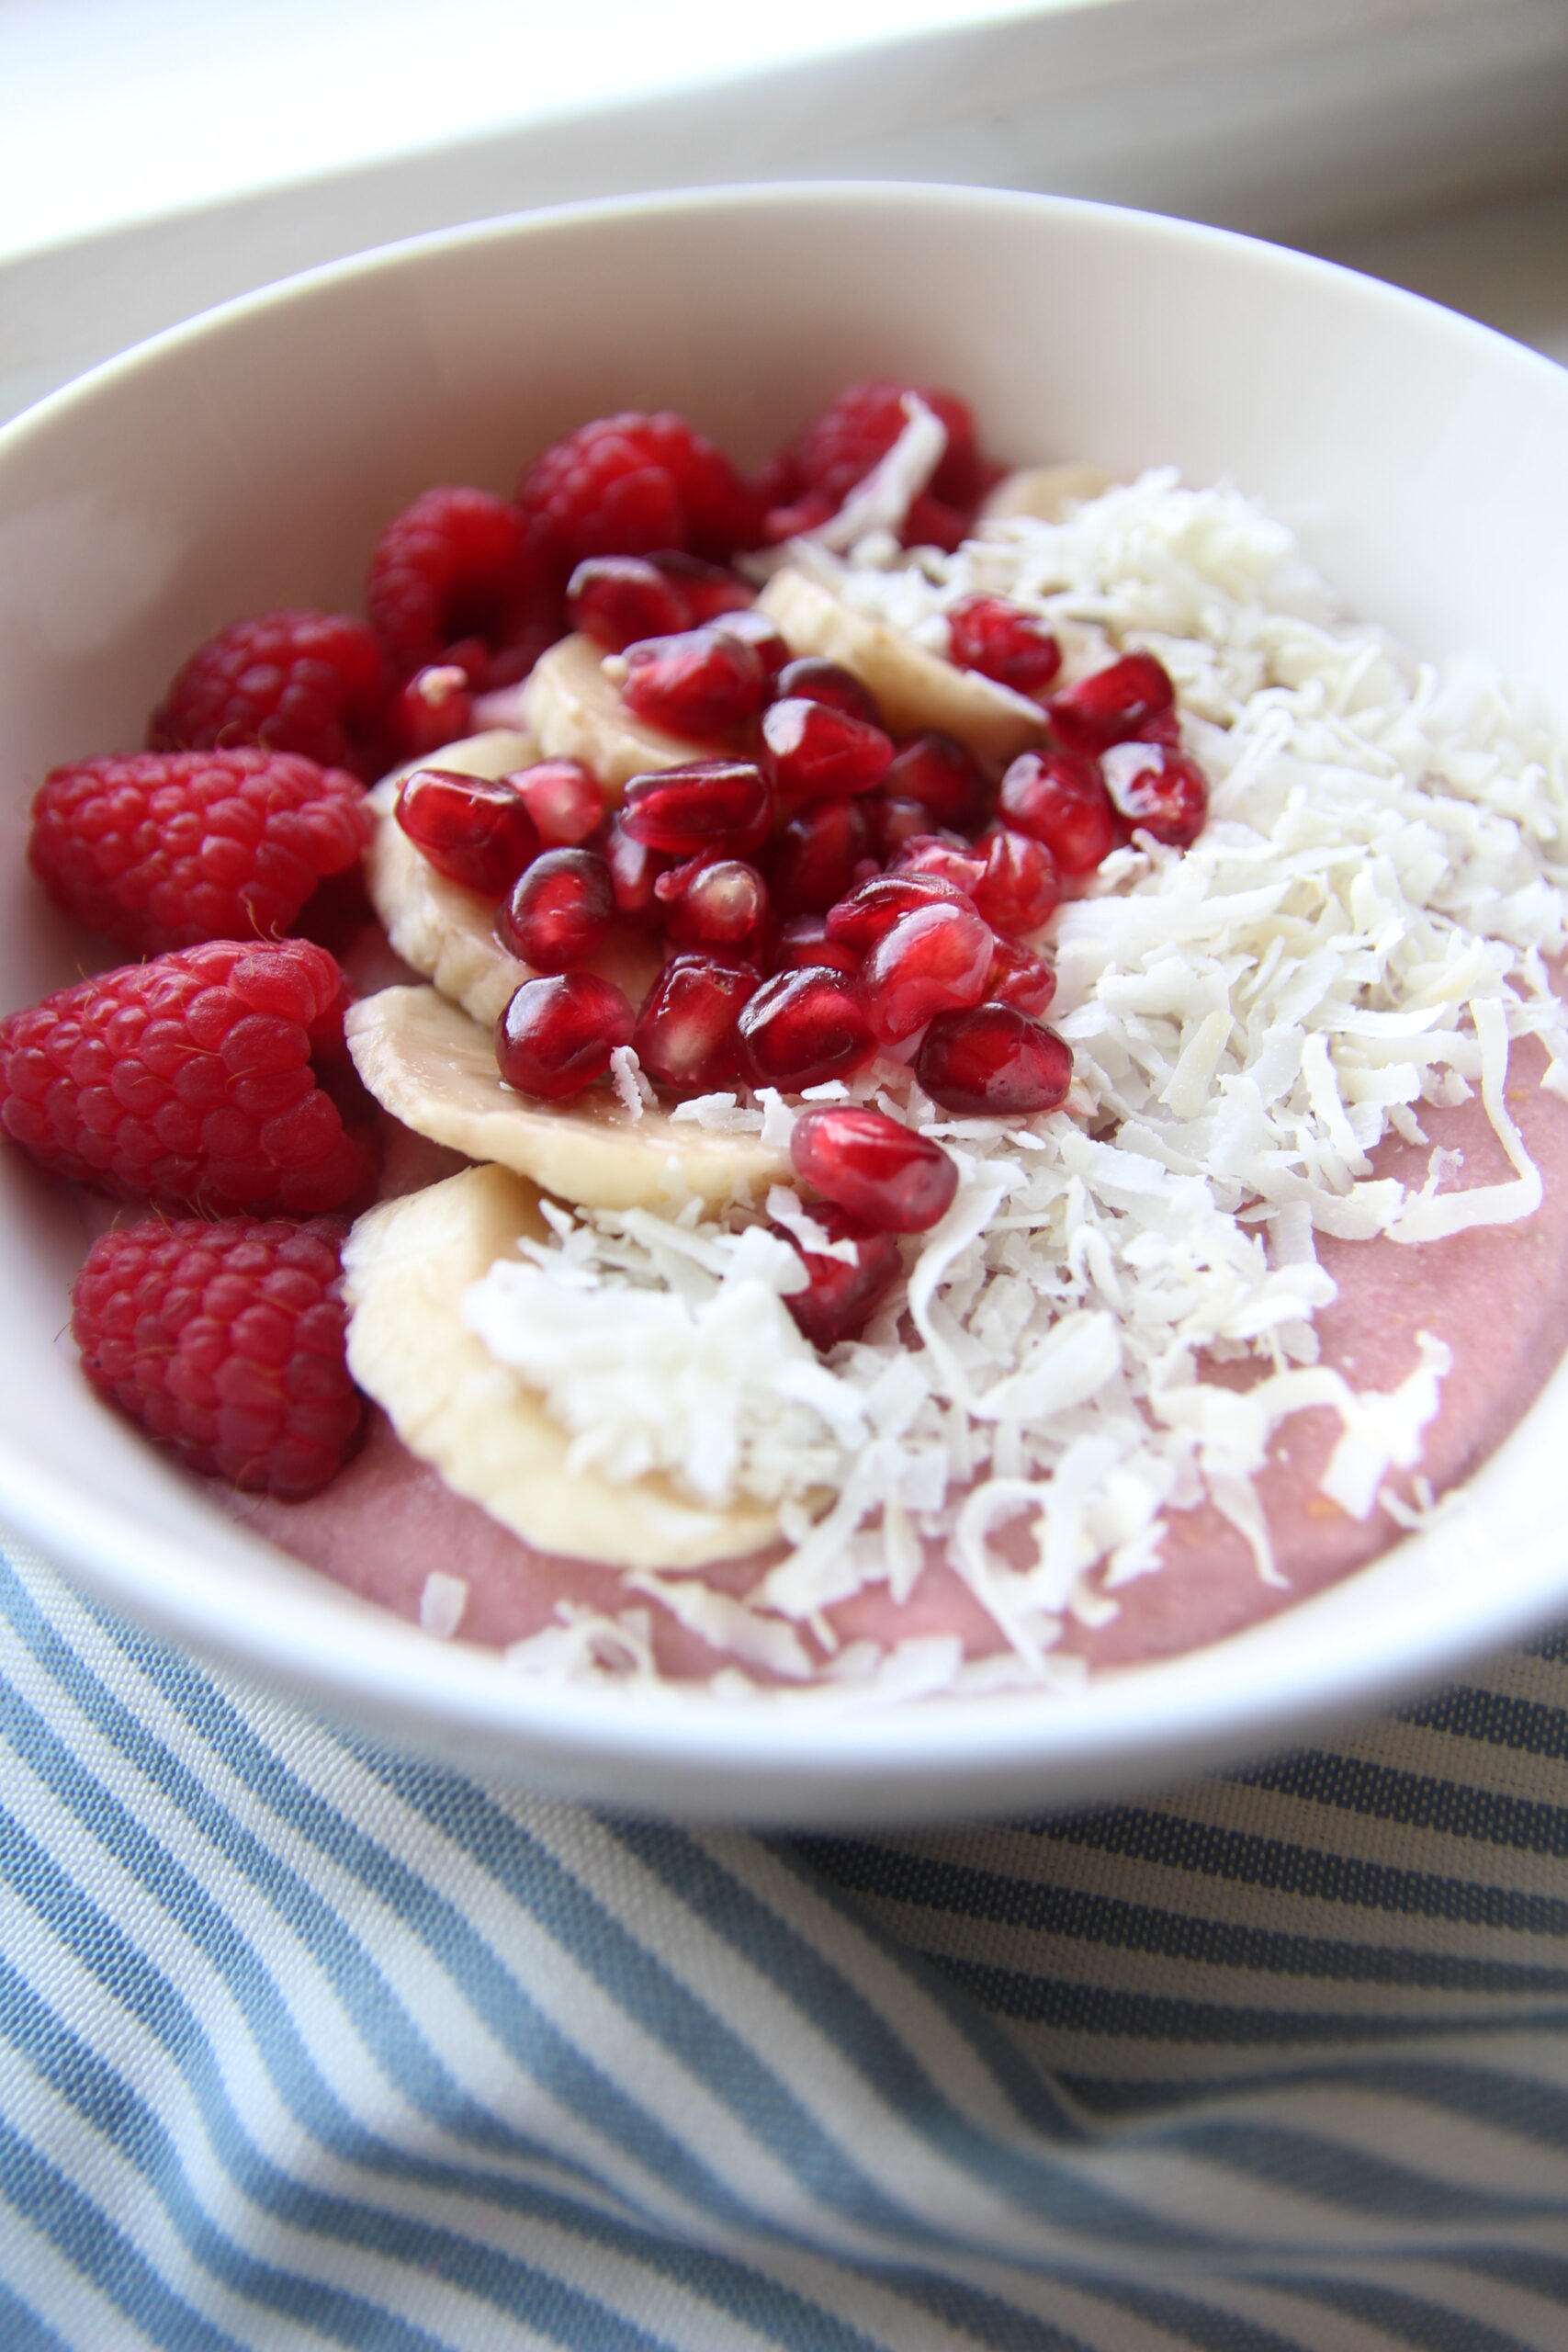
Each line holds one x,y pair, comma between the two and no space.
163,849
226,1344
842,445
295,682
634,484
189,1080
455,578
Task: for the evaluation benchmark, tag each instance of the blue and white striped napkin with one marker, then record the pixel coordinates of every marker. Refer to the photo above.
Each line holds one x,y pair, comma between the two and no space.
305,2043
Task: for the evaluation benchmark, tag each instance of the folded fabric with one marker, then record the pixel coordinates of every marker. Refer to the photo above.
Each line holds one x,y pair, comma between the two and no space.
303,2042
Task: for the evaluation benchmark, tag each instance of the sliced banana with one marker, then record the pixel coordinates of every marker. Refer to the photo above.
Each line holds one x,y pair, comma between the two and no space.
916,689
1045,492
406,1266
448,933
577,714
435,1069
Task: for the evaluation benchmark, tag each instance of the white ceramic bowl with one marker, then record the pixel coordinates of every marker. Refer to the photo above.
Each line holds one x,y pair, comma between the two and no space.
246,460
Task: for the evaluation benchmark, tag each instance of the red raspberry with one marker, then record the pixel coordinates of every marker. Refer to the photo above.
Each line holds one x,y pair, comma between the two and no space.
631,484
456,578
226,1344
189,1080
163,849
295,682
842,445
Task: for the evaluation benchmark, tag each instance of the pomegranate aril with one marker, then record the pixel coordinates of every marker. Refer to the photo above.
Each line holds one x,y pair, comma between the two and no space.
701,682
893,1178
709,590
1158,791
803,1027
1003,642
755,629
815,679
1165,727
685,1036
1021,888
1019,978
711,804
806,941
1060,799
1113,704
433,708
841,1297
633,874
472,829
812,859
713,903
559,910
618,599
555,1036
894,821
993,1062
932,961
815,751
948,856
562,798
875,905
945,776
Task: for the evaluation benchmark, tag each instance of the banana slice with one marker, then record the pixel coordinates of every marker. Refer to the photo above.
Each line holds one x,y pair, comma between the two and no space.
435,1069
406,1266
1045,493
577,714
916,689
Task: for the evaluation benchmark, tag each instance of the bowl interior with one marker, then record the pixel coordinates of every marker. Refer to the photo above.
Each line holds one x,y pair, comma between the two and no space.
247,461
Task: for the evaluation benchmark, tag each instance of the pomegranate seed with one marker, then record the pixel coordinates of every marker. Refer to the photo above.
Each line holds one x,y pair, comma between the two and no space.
806,941
1002,641
814,680
1112,704
932,961
1159,791
874,906
709,589
433,708
948,856
945,776
709,804
804,1028
473,829
1165,727
841,1298
713,903
618,599
562,798
1020,888
700,684
1019,978
993,1063
686,1036
815,750
894,821
755,629
889,1177
633,874
1060,799
559,910
814,856
555,1036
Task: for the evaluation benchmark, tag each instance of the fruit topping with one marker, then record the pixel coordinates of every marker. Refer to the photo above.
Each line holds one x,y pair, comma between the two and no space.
708,804
842,1294
873,906
617,599
687,1037
701,682
840,447
993,1063
933,960
555,1036
892,1179
635,870
712,901
190,1080
945,776
1018,976
634,484
562,798
449,581
1060,799
1021,888
803,1027
817,751
474,829
559,910
225,1341
433,708
312,683
1112,704
813,858
1158,791
1004,642
818,681
805,941
163,849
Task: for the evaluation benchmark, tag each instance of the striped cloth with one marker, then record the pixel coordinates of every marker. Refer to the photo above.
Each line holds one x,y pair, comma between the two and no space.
307,2043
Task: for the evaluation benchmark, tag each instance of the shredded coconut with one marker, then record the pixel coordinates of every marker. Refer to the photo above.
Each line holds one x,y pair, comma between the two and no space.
1362,928
442,1602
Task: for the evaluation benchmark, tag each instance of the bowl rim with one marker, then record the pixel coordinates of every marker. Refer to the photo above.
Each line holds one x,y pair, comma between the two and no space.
797,1760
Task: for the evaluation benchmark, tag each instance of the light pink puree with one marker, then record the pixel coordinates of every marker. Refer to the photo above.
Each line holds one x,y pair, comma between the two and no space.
1499,1296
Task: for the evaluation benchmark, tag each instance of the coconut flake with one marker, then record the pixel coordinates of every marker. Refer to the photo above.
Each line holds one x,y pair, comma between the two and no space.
442,1602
